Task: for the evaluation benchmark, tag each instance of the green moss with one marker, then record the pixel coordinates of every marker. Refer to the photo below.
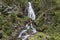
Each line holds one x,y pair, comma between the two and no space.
39,36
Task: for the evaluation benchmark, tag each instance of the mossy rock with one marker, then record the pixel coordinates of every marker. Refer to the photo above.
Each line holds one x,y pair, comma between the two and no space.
39,36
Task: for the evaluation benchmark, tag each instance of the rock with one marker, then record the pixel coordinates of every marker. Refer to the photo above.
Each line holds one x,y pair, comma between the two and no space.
1,7
7,10
20,14
0,34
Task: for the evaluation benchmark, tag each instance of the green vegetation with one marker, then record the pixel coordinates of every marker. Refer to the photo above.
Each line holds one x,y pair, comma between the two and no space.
47,30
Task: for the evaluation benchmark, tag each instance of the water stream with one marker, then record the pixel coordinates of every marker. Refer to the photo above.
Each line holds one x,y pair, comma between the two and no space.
31,15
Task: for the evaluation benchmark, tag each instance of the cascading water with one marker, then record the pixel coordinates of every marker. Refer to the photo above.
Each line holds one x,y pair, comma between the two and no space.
31,13
32,16
24,31
33,29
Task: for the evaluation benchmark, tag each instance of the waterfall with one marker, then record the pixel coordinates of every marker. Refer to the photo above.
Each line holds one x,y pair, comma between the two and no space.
33,29
31,15
27,27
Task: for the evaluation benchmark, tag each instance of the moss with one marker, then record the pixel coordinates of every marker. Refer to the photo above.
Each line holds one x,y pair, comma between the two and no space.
39,36
39,6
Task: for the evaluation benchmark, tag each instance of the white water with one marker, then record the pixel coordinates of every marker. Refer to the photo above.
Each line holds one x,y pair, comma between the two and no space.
27,27
31,15
33,29
25,37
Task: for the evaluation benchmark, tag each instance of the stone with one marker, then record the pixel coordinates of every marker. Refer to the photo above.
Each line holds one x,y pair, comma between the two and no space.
20,14
0,35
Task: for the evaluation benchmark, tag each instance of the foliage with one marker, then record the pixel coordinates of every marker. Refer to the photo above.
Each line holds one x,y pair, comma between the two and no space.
40,7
